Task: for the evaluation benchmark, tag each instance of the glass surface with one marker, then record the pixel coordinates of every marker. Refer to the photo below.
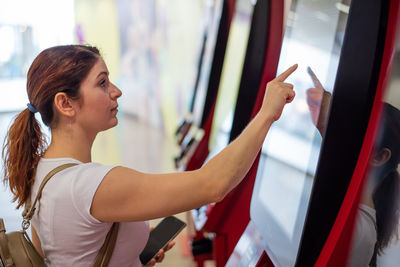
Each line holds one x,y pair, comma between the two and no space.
379,209
313,39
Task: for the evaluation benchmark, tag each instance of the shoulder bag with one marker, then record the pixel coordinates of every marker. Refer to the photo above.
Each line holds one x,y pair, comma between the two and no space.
16,248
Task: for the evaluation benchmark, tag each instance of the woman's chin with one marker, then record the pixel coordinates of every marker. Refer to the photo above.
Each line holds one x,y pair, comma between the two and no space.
112,124
115,123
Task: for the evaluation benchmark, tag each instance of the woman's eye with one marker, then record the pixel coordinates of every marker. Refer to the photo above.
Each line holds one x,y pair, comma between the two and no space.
103,83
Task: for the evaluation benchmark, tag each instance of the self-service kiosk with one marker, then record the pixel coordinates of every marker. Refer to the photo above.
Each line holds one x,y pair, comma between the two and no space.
250,61
314,159
192,134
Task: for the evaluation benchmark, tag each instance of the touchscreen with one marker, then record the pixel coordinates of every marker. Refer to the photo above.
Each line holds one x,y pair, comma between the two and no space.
313,38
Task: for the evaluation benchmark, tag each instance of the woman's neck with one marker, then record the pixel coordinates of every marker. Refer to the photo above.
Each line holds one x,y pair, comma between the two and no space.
70,144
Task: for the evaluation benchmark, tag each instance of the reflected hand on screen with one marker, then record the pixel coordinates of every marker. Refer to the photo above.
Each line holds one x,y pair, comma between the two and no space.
318,102
314,97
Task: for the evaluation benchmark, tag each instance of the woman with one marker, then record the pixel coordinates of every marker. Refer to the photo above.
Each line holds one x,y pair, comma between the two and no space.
70,88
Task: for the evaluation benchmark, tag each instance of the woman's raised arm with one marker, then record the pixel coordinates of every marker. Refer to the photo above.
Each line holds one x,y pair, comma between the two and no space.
129,195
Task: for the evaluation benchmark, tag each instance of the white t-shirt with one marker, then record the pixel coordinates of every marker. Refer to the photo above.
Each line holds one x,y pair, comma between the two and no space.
69,234
364,238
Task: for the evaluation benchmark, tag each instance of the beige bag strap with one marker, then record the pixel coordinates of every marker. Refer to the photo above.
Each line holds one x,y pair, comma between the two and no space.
5,253
103,257
30,210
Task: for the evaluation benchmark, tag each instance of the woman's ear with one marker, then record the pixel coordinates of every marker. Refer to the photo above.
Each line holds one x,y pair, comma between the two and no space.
64,105
381,157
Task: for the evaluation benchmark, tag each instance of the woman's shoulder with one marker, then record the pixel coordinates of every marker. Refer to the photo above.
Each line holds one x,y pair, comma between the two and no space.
48,164
367,216
364,237
73,187
79,172
51,163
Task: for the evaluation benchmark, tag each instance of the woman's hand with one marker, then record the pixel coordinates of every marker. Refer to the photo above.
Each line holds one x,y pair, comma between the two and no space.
277,94
159,257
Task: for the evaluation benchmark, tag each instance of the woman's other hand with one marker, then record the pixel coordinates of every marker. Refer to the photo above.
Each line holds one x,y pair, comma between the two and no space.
159,257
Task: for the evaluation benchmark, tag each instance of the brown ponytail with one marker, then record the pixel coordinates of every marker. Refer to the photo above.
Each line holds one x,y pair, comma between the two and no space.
23,147
386,198
386,194
56,69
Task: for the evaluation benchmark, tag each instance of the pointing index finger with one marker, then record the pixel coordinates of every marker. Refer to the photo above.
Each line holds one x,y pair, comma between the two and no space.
283,76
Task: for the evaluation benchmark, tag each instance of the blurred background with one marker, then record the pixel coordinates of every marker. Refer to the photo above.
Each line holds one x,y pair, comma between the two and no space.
150,48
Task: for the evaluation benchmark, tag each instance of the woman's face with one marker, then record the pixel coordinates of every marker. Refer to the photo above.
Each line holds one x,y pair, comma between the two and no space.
98,103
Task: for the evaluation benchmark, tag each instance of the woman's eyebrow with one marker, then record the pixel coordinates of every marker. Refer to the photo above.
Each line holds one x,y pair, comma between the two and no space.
103,72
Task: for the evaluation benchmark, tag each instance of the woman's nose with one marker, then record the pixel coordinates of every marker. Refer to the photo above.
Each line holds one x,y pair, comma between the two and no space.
115,92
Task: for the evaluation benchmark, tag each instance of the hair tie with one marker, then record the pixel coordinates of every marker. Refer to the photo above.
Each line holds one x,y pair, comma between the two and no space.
31,108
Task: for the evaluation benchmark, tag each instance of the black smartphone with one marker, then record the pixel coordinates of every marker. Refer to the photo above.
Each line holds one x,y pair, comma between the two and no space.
160,236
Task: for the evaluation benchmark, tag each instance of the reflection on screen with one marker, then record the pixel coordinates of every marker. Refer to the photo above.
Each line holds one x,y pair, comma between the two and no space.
212,32
290,153
231,72
382,190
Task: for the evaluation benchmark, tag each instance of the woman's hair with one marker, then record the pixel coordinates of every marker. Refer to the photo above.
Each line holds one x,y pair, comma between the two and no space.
386,195
56,69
